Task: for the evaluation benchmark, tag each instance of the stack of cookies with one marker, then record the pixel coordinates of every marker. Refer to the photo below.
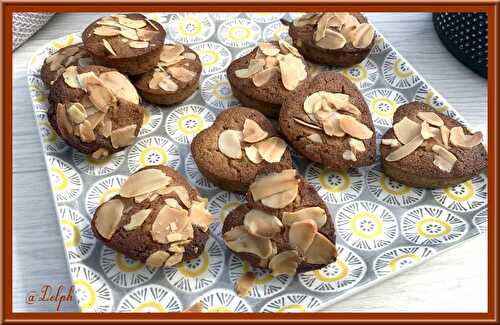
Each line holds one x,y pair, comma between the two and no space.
158,218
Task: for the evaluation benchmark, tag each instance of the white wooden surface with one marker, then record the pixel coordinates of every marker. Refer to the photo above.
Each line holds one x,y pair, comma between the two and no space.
454,281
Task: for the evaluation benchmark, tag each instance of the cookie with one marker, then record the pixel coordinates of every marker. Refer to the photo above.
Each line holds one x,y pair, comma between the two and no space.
175,77
339,39
285,226
95,110
54,65
428,149
130,43
263,78
231,151
328,121
157,218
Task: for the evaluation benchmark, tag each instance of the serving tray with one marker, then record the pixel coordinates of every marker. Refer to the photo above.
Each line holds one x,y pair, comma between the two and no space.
383,227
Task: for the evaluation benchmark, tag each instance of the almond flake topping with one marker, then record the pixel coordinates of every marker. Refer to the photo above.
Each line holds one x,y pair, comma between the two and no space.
239,240
460,139
443,159
285,262
406,149
431,118
252,132
272,149
301,234
321,250
108,47
406,130
138,44
253,154
262,224
143,182
229,143
245,284
108,217
124,136
316,214
106,31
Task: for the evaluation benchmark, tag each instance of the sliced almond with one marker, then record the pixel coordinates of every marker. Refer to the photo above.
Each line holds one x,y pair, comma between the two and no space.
268,49
200,216
108,47
310,125
254,66
245,284
426,131
431,118
181,73
406,130
391,142
131,23
173,260
363,36
100,97
322,26
130,34
288,48
349,155
445,135
267,185
293,71
77,113
307,19
124,136
331,125
145,35
155,80
83,77
157,259
443,159
180,191
321,251
171,51
281,199
272,149
459,139
100,153
137,219
406,149
152,24
354,128
138,44
271,62
143,182
262,77
86,132
189,56
317,214
167,84
253,154
195,308
229,143
120,86
252,132
161,227
239,240
96,118
105,127
315,137
106,31
63,122
108,217
332,40
301,234
172,203
285,262
262,224
356,145
70,77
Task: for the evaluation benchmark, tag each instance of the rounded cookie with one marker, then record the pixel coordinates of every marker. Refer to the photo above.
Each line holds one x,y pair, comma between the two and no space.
130,43
54,65
95,110
231,151
157,218
428,149
328,121
339,39
263,78
175,77
285,226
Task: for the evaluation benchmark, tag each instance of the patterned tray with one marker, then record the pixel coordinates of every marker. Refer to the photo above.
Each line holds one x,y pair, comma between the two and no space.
383,226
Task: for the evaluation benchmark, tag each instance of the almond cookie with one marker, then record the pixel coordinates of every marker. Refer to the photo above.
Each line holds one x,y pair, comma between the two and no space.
263,78
157,218
428,149
236,146
130,43
285,226
341,39
175,77
328,121
54,65
95,110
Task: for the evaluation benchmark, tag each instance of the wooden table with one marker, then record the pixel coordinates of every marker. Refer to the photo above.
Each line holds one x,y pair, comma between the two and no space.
454,281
